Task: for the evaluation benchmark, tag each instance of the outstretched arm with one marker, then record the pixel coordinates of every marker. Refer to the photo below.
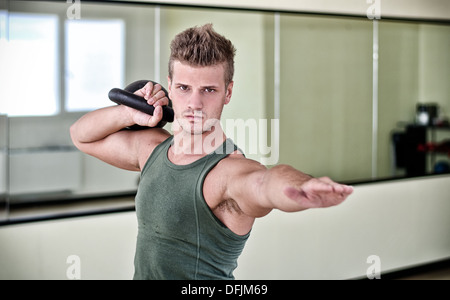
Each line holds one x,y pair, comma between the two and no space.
258,190
288,189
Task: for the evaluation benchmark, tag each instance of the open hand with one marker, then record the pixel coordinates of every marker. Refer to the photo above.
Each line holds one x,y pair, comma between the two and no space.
319,192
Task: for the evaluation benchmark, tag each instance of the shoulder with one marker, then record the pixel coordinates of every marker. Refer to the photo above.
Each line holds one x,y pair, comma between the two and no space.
231,169
234,166
237,164
153,135
147,140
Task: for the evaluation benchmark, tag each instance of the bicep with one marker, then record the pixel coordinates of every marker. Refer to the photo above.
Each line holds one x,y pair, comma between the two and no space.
245,187
124,149
117,149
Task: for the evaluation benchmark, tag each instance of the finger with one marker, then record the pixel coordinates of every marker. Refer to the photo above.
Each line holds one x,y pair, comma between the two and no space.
152,94
348,189
156,88
161,102
326,180
147,90
322,193
159,96
156,118
144,91
141,92
318,185
337,187
342,189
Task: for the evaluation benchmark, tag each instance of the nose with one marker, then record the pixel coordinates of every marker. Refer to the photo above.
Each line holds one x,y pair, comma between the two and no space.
195,101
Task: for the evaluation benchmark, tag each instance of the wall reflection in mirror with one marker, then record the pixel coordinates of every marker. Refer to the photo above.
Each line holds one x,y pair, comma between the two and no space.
54,70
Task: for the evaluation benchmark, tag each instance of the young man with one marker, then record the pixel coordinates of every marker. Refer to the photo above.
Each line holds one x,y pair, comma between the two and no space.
198,195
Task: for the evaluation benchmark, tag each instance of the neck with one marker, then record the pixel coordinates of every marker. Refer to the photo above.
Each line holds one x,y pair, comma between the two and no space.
186,144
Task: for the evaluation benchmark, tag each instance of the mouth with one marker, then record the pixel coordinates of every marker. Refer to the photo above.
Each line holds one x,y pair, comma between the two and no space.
195,116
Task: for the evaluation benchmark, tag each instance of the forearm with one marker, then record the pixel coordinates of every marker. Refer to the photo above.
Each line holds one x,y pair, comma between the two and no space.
98,124
290,190
277,183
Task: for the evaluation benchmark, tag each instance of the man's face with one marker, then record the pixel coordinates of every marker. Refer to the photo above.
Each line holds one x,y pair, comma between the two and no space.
198,95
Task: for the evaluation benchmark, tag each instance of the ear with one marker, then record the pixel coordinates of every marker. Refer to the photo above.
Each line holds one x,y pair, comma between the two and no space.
229,92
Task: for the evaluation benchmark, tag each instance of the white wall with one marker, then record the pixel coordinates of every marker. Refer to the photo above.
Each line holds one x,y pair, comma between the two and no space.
105,245
404,222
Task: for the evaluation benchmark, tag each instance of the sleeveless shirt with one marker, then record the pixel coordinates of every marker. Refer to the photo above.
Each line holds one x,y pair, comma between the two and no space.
179,237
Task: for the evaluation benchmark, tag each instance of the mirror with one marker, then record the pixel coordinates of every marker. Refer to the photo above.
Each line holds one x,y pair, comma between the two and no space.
324,101
326,95
414,67
68,63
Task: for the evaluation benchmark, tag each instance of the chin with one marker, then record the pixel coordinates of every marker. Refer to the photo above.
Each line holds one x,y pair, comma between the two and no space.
189,127
196,127
196,130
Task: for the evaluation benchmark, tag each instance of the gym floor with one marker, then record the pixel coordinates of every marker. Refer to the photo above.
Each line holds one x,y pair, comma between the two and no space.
443,274
435,271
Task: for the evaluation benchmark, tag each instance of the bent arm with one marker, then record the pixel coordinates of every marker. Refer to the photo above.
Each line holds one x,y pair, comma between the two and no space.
99,133
98,124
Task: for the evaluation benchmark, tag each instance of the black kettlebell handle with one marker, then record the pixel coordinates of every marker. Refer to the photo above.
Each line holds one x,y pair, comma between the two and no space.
128,98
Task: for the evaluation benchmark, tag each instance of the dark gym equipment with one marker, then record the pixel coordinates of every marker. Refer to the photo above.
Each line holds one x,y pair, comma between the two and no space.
128,98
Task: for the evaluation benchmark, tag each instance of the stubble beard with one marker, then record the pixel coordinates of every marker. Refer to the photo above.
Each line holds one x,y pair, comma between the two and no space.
196,123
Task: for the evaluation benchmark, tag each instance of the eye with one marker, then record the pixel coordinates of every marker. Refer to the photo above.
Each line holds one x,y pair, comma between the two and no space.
183,88
209,90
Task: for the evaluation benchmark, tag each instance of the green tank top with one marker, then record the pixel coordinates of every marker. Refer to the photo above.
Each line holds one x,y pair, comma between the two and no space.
179,237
